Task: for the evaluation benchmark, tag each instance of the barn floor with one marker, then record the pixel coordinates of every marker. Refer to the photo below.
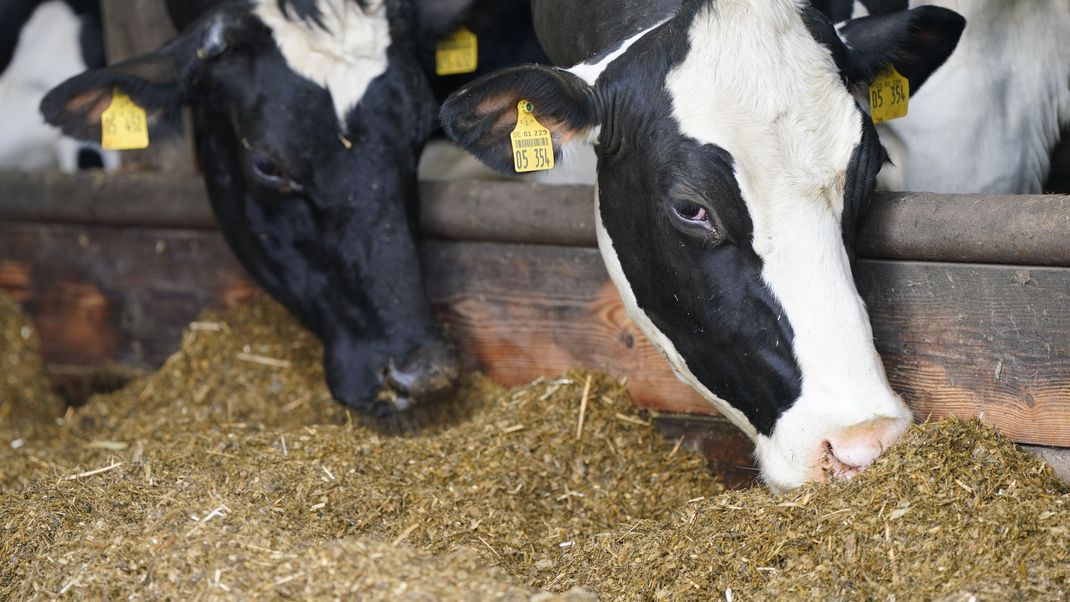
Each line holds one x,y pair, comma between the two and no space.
231,474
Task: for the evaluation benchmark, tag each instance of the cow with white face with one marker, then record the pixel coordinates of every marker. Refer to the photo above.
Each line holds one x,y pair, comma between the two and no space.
42,43
733,164
989,120
310,116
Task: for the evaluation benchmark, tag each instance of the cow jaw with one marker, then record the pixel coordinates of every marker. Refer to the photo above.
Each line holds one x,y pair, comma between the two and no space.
343,56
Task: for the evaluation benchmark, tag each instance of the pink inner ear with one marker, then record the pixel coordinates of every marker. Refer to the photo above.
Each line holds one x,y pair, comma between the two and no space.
91,104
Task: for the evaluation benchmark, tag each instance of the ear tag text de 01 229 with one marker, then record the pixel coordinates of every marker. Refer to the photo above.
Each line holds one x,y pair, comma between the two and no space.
123,125
533,148
889,96
458,53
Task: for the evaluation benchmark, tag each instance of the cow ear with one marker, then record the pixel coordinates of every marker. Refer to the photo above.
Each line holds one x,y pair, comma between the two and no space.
481,117
916,42
154,81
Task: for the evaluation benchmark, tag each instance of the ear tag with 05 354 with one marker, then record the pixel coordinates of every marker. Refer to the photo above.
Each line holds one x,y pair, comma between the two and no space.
889,96
533,147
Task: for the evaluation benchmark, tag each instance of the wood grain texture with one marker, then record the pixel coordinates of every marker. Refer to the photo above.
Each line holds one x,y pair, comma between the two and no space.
988,341
1030,230
957,339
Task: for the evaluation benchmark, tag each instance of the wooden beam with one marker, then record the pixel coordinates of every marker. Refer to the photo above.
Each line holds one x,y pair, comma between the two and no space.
139,200
1026,230
132,28
957,339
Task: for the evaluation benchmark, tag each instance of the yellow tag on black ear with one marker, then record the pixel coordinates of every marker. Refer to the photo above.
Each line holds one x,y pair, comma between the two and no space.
458,53
124,125
889,96
533,148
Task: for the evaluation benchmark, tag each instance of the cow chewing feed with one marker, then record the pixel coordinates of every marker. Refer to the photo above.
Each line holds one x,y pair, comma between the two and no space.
734,164
989,120
310,118
42,43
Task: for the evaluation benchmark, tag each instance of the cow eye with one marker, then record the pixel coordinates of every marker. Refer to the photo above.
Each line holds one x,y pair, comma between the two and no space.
267,169
695,219
692,212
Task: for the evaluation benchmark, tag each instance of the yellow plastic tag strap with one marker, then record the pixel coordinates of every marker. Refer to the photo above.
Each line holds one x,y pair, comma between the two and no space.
458,53
124,125
889,96
533,148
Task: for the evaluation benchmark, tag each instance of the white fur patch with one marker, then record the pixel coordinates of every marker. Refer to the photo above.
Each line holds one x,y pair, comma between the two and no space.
344,56
757,84
48,53
987,121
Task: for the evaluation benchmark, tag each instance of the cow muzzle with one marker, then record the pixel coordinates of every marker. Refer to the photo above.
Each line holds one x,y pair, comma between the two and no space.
809,446
425,376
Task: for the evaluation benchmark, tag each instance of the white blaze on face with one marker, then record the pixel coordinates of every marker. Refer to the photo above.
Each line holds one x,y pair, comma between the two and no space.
757,84
344,56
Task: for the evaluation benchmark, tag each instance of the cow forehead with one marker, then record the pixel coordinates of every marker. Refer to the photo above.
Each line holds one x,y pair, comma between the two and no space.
756,83
344,55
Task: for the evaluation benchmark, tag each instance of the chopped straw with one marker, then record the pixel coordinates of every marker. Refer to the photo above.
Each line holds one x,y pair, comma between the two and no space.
304,501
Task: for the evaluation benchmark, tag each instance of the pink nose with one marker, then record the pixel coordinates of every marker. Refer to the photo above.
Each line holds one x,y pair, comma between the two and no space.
856,447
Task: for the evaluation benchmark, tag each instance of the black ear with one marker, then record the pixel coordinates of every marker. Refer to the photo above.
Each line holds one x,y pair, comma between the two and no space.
151,81
156,82
482,116
916,42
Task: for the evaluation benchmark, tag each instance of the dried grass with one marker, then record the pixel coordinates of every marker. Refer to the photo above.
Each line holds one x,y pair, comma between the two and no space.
225,478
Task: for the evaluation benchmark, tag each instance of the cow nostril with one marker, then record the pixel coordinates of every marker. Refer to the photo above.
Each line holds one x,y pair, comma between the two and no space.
840,465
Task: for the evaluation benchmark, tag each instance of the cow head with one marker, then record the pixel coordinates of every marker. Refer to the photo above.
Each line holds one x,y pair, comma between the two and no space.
310,117
733,163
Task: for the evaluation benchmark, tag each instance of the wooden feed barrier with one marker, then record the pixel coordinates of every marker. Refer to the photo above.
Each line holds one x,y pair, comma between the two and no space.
969,296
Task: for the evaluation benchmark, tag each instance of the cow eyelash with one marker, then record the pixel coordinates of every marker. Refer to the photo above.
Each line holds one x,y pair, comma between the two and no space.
696,219
266,168
692,212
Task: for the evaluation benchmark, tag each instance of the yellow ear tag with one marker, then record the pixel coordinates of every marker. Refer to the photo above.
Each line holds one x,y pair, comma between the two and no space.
533,148
124,125
458,53
889,96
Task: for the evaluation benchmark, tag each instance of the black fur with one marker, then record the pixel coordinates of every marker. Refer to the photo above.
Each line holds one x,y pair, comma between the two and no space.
323,219
916,41
506,37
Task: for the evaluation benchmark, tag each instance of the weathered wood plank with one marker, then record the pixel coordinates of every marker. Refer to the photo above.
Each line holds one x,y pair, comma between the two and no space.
968,340
140,200
101,295
1030,230
957,339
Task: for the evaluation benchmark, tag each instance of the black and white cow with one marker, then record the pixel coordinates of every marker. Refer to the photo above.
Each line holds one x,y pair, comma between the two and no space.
310,115
988,121
42,43
733,163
